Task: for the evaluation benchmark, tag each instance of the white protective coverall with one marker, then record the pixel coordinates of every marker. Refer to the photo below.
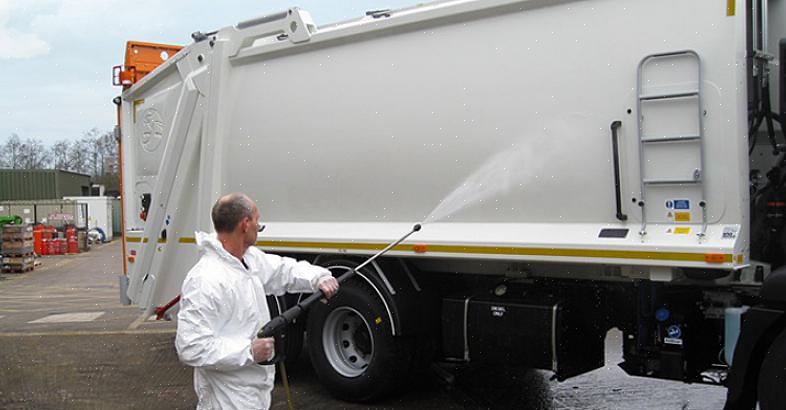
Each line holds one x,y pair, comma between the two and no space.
222,307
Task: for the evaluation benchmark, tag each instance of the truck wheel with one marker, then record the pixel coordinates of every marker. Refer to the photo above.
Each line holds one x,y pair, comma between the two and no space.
351,346
772,376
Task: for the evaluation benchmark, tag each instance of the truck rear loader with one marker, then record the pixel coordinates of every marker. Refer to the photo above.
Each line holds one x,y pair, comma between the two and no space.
577,166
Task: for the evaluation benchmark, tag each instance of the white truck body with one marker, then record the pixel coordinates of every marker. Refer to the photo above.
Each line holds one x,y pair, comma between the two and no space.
576,165
347,134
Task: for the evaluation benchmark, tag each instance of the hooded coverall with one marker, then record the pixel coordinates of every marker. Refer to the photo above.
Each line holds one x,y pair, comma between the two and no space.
222,307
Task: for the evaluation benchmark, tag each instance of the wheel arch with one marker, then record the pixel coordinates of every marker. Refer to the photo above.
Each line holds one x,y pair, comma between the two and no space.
394,284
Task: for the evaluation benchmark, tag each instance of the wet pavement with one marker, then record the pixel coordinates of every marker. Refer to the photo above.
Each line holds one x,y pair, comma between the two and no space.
66,342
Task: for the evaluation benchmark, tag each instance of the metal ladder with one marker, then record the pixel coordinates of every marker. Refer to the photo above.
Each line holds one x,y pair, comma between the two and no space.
691,137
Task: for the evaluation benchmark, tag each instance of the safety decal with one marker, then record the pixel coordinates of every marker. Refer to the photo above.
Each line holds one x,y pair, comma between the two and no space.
678,204
673,335
681,204
498,311
729,232
682,216
682,230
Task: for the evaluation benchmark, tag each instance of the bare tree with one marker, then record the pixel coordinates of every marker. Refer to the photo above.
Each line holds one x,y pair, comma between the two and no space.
4,162
10,152
78,158
109,153
33,154
96,154
59,152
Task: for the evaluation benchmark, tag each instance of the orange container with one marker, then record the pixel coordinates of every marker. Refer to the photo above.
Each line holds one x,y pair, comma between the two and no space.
73,244
49,232
44,247
38,239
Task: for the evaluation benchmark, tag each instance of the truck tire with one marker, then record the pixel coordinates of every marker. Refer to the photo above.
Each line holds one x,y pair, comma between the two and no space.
772,376
352,348
293,341
296,333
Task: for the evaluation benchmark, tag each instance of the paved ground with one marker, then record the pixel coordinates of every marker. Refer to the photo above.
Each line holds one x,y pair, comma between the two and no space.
67,343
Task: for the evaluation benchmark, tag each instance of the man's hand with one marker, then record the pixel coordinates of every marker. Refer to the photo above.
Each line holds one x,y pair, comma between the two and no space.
328,285
262,349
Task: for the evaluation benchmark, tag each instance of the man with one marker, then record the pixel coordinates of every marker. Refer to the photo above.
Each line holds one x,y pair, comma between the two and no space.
223,305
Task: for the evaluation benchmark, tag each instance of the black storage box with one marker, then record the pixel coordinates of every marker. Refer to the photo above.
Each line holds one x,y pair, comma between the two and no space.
539,333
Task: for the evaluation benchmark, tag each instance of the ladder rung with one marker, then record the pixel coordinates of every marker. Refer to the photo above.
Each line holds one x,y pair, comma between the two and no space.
668,96
672,139
671,181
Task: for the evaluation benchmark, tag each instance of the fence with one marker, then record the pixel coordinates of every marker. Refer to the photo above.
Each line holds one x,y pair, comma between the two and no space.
57,213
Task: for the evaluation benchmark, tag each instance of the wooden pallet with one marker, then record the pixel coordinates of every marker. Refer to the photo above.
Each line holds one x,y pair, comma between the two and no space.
17,233
14,239
26,251
18,260
24,228
17,268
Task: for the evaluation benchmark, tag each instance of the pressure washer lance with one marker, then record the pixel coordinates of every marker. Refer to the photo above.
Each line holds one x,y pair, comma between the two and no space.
278,324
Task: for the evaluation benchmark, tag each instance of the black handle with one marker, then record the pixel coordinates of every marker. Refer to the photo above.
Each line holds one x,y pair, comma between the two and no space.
615,126
278,352
782,79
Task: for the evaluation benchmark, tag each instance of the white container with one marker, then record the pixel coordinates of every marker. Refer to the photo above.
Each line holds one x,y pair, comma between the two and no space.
99,212
352,132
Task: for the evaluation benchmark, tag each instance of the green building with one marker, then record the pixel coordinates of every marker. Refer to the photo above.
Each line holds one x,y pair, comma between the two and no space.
35,184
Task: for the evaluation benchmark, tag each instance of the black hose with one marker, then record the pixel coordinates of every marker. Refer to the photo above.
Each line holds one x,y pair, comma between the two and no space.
766,106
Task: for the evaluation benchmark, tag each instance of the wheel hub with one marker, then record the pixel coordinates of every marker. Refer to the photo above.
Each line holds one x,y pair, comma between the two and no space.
347,341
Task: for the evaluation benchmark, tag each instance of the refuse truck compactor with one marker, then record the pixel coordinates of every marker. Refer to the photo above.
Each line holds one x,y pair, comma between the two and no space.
577,166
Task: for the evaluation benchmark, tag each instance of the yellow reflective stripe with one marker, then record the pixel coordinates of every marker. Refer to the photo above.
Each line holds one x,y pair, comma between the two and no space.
144,240
731,7
483,250
501,250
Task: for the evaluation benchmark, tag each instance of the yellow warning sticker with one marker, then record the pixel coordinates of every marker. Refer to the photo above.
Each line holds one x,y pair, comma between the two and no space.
378,320
681,230
682,216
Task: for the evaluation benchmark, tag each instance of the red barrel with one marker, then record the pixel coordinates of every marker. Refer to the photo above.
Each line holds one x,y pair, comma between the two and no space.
51,248
44,247
73,244
38,239
62,246
49,232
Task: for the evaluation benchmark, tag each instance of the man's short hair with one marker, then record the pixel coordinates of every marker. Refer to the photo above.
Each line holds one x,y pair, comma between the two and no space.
229,210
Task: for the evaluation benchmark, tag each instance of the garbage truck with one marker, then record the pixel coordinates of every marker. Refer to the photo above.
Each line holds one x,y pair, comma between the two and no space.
577,166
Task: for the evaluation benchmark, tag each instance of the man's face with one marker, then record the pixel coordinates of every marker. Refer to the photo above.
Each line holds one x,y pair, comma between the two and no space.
252,227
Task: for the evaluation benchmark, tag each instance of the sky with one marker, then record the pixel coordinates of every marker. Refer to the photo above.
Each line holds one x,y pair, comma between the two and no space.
56,56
